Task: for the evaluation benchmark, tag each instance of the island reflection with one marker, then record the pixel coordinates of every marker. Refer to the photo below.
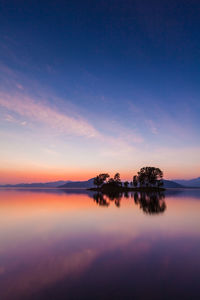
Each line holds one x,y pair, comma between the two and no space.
150,202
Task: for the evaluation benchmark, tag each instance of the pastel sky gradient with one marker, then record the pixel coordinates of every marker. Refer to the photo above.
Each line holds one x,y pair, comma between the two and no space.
92,86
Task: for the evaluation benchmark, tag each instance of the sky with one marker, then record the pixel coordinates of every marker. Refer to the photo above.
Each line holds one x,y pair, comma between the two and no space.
99,86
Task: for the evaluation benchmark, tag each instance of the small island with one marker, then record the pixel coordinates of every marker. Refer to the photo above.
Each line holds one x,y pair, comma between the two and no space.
148,179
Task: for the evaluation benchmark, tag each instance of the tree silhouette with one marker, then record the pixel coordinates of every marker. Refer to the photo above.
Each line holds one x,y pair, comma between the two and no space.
100,179
97,181
117,179
126,184
135,181
150,176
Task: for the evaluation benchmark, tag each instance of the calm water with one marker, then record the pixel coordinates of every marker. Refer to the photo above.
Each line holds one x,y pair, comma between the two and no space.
76,245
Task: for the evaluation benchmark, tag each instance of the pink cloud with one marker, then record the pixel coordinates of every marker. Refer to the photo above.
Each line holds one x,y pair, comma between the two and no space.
39,112
67,123
19,86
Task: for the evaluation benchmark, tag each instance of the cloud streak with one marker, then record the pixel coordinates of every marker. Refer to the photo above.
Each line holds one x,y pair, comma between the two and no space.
36,111
65,123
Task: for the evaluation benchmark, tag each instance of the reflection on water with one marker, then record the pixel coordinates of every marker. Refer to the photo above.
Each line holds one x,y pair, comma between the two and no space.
150,203
59,244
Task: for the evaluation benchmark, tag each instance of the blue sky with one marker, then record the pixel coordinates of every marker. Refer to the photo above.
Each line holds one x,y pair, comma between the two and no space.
90,86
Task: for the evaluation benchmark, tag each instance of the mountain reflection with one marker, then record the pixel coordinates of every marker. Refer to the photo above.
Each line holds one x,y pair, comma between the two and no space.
151,203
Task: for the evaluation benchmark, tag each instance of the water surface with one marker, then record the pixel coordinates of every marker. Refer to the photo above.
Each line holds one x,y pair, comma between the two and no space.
58,244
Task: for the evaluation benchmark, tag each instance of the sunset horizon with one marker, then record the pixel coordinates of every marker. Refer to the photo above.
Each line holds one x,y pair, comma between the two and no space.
45,177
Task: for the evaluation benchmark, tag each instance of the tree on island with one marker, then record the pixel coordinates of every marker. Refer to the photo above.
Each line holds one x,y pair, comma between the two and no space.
150,176
100,179
117,179
146,178
135,181
114,182
126,184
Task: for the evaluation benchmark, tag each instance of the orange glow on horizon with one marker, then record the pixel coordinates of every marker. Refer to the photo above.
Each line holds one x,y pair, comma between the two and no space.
31,175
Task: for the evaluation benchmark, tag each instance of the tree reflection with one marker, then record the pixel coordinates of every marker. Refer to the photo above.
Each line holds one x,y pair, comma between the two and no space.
100,199
104,199
151,203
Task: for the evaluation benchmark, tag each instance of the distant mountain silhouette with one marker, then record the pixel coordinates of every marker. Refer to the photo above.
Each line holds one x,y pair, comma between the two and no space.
78,184
171,184
189,183
37,185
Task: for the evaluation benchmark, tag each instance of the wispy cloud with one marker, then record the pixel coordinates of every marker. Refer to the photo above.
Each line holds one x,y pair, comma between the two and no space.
39,112
32,110
152,126
27,103
11,119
